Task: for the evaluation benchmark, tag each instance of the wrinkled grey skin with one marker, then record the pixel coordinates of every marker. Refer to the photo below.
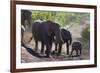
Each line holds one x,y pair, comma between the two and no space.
67,38
26,16
45,32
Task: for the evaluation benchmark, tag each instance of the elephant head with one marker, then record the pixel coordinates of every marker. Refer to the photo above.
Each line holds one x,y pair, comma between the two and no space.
57,32
26,17
58,37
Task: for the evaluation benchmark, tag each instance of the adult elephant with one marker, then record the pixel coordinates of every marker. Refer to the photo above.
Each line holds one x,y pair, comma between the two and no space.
26,18
67,38
44,32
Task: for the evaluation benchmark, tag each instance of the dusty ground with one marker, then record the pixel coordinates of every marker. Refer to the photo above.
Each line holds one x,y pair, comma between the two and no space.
29,55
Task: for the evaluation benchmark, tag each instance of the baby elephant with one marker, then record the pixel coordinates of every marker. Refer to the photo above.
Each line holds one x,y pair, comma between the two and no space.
77,47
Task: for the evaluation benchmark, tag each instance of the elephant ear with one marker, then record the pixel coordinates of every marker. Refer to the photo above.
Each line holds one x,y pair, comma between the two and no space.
26,18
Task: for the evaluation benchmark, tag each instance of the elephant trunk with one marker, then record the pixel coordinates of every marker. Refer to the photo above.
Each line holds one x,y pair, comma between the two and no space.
58,37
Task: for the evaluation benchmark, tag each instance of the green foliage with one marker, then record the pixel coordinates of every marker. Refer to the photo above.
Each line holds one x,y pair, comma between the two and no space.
71,18
63,18
86,33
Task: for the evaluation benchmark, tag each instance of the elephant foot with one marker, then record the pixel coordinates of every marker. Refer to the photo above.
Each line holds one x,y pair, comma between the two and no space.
47,56
42,52
74,55
67,53
58,54
77,55
54,52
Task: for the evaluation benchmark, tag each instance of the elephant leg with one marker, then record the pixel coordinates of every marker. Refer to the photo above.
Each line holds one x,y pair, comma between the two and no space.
47,51
80,51
67,46
59,49
76,52
50,46
36,46
71,53
56,47
42,48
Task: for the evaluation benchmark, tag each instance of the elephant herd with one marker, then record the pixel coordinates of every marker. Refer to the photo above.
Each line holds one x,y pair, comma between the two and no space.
49,32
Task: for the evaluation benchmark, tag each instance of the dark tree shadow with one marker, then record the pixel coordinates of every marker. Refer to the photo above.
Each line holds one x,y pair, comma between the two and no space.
31,51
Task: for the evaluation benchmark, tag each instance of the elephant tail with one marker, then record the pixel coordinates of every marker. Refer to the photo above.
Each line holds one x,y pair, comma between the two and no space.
70,41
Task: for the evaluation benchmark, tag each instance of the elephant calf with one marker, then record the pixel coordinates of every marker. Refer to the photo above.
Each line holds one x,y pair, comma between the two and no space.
77,47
